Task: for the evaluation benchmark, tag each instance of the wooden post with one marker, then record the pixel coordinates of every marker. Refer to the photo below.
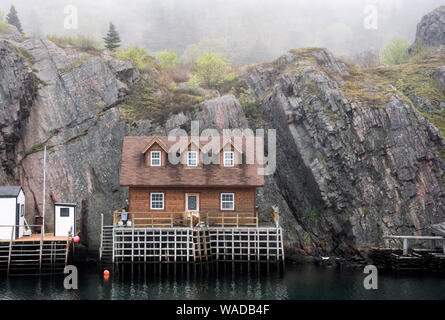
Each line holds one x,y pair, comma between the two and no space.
188,245
132,243
10,247
67,250
145,244
101,235
248,244
175,244
233,244
278,244
41,249
405,247
217,245
282,245
160,245
258,245
114,241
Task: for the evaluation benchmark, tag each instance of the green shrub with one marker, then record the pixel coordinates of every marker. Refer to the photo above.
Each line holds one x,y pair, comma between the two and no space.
420,53
139,57
211,69
83,43
168,59
4,27
395,52
251,107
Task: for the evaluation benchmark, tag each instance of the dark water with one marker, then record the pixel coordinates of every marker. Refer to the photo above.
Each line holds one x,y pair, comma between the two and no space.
296,282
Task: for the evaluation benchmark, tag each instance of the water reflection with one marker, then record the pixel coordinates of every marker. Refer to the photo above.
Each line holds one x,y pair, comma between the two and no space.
223,282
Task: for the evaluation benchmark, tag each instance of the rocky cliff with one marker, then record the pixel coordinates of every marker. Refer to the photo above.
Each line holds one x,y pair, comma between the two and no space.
67,101
357,155
431,31
356,159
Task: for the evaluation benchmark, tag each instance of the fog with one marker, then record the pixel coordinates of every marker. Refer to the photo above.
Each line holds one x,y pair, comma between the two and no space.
249,30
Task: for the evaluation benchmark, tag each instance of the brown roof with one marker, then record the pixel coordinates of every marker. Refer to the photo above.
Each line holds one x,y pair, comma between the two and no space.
134,171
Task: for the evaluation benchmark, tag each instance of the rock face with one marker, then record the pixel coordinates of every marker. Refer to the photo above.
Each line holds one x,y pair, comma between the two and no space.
75,114
348,171
439,75
431,30
222,113
355,159
18,88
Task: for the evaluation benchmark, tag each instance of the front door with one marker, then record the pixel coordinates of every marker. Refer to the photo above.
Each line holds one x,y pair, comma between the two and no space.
192,202
65,221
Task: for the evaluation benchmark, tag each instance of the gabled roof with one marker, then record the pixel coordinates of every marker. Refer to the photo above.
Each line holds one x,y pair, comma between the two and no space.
135,172
9,191
152,142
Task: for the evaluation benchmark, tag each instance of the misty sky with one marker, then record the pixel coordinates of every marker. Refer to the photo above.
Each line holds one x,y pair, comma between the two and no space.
260,29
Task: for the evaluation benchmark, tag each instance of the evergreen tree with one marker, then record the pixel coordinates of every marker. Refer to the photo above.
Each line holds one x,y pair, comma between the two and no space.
112,40
13,19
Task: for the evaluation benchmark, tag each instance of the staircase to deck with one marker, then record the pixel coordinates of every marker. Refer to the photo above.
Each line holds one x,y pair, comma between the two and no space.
33,257
106,247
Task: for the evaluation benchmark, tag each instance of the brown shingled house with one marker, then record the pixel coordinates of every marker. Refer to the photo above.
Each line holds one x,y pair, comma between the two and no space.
187,181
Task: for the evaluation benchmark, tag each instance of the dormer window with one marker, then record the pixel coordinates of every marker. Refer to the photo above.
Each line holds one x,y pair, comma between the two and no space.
155,158
192,158
229,159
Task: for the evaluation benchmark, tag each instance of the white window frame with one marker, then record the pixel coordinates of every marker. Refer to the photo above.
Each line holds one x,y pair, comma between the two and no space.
151,200
232,159
151,158
221,202
188,158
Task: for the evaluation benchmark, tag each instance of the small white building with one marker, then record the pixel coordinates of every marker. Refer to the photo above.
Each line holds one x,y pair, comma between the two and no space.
12,212
65,219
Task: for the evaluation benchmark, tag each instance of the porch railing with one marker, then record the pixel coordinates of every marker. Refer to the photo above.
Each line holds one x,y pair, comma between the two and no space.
187,219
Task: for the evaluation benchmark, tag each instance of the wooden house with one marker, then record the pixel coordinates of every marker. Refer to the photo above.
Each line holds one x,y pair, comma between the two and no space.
174,182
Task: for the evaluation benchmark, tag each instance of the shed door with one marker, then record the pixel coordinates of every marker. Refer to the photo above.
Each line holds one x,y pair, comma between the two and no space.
65,221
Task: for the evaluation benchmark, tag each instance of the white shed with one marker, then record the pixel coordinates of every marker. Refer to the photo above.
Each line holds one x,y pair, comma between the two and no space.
65,219
12,212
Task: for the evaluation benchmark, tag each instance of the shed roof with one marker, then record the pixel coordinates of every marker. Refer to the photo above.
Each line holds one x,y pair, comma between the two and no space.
134,171
9,191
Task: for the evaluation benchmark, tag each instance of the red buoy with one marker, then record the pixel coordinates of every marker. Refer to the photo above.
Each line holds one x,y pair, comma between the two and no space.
76,239
106,275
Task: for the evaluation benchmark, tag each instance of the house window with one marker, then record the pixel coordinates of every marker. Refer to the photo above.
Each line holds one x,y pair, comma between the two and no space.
192,158
227,201
22,210
155,158
229,159
157,201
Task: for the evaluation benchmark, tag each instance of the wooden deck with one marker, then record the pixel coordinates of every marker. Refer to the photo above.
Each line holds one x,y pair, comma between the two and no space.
36,238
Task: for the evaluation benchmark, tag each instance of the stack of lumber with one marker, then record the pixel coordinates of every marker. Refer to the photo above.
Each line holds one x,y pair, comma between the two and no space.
412,262
437,262
381,257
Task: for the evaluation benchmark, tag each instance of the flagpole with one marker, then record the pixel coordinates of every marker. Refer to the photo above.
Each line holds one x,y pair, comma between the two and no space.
44,189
